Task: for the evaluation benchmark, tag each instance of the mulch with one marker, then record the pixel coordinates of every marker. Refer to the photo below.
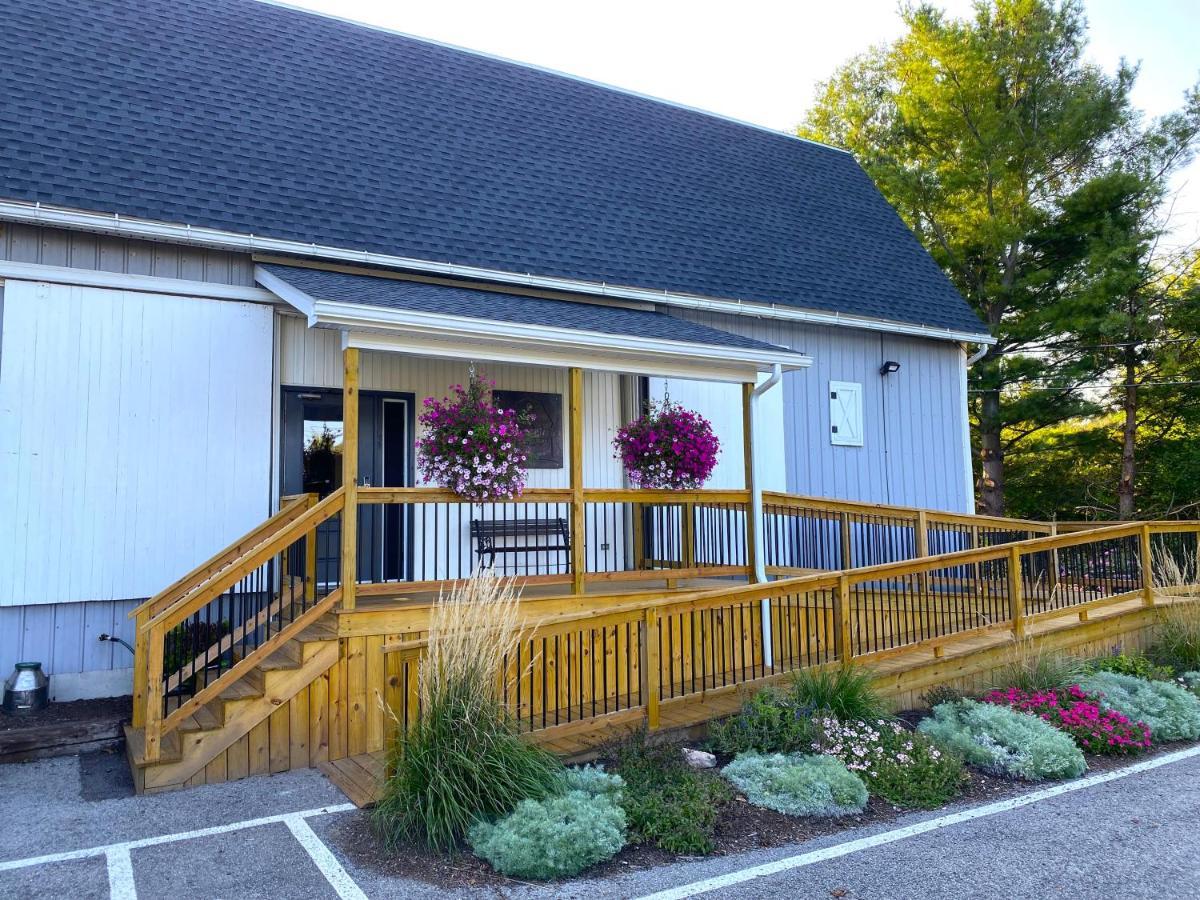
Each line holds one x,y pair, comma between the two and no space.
740,827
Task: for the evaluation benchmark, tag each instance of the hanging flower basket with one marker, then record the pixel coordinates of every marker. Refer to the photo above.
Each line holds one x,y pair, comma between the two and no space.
669,447
470,446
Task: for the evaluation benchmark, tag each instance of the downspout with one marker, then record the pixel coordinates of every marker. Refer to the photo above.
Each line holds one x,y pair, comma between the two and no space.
756,508
969,359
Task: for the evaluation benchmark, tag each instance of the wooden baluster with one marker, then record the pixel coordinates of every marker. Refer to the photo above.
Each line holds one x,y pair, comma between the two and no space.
1016,595
1147,555
639,537
310,567
1053,561
847,555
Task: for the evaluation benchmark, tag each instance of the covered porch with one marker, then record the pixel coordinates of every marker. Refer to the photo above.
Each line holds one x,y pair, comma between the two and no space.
578,526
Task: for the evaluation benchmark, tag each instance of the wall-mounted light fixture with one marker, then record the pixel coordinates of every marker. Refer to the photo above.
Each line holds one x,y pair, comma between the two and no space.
889,367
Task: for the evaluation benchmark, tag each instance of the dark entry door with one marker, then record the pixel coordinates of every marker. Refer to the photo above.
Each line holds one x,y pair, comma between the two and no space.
311,448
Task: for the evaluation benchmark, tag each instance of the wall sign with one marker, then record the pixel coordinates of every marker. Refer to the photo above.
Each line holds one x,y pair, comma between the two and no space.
541,417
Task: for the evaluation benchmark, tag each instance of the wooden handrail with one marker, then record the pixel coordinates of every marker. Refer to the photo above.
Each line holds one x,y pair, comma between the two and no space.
291,508
216,584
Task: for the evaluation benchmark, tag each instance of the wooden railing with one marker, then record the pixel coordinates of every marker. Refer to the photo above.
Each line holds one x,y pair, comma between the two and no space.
619,534
628,661
201,636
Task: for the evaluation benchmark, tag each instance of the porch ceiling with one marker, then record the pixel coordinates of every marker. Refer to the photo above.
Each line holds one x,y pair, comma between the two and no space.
389,313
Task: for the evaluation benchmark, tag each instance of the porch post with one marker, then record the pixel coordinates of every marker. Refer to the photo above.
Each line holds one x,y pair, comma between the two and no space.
752,525
349,475
578,520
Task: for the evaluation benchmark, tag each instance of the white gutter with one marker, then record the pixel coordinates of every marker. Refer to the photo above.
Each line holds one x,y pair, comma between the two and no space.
147,229
150,284
756,508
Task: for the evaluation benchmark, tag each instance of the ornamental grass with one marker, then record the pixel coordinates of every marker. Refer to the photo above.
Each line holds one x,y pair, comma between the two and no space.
463,761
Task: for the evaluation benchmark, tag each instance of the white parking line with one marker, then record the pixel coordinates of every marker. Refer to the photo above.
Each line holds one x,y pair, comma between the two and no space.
339,879
889,837
120,874
126,846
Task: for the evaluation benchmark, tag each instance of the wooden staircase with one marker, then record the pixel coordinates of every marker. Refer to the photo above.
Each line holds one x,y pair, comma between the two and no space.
205,747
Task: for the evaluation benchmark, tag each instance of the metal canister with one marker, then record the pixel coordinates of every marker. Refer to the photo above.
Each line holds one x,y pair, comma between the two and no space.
27,689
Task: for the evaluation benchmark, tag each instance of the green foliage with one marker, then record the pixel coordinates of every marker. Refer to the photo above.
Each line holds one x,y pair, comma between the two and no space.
1191,681
901,766
798,785
462,761
1172,712
1032,670
1024,170
666,801
1003,741
1134,664
1178,642
556,837
846,692
595,782
769,722
940,694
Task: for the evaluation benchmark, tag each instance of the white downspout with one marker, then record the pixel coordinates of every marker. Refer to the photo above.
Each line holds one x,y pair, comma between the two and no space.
969,359
756,508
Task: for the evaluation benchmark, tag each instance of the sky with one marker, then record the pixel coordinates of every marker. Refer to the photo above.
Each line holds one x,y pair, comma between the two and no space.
759,60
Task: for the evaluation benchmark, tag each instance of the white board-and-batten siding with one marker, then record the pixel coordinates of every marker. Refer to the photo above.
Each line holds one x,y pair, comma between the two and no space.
135,435
913,451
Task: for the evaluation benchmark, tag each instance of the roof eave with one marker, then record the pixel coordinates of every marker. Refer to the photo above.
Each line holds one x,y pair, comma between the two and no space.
113,223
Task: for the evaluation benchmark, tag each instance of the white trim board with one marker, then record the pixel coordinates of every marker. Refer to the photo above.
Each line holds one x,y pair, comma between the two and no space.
151,284
113,223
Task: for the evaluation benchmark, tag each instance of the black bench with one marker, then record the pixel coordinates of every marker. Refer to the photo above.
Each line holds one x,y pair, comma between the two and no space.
485,533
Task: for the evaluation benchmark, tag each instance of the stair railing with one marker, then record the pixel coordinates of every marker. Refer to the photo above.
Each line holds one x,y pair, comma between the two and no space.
213,627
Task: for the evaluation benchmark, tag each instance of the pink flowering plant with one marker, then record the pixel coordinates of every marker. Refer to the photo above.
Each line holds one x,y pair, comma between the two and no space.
1094,727
901,766
669,447
471,446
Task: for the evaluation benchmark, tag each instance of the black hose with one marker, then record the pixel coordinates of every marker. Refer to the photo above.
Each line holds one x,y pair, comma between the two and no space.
117,640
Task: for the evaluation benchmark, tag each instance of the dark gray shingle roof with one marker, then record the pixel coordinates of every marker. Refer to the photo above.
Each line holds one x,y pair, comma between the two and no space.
259,119
392,293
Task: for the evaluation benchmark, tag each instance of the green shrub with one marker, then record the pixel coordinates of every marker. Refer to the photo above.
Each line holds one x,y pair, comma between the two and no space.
1134,664
1171,712
769,722
1031,669
595,782
846,692
1178,642
901,766
1191,681
798,785
666,801
943,693
1003,741
552,838
462,761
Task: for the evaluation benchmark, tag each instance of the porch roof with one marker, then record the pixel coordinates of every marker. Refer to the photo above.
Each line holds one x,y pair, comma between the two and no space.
383,312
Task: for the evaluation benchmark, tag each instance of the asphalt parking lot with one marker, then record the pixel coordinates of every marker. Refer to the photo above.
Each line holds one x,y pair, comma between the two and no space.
73,829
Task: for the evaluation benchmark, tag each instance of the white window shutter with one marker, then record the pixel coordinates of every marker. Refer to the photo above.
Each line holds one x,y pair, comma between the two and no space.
845,414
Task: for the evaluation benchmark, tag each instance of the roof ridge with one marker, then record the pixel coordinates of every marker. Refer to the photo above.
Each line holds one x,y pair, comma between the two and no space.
558,73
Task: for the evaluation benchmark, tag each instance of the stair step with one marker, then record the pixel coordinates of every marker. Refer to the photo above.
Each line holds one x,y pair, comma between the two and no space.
248,687
286,657
171,749
322,630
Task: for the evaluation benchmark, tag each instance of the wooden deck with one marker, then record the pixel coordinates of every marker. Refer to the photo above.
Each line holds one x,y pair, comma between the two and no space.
966,662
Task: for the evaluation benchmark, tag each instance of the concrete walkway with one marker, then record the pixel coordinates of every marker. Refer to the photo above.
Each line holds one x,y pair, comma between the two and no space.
73,830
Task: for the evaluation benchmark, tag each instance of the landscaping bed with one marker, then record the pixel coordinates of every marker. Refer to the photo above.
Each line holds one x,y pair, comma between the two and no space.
469,806
63,729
